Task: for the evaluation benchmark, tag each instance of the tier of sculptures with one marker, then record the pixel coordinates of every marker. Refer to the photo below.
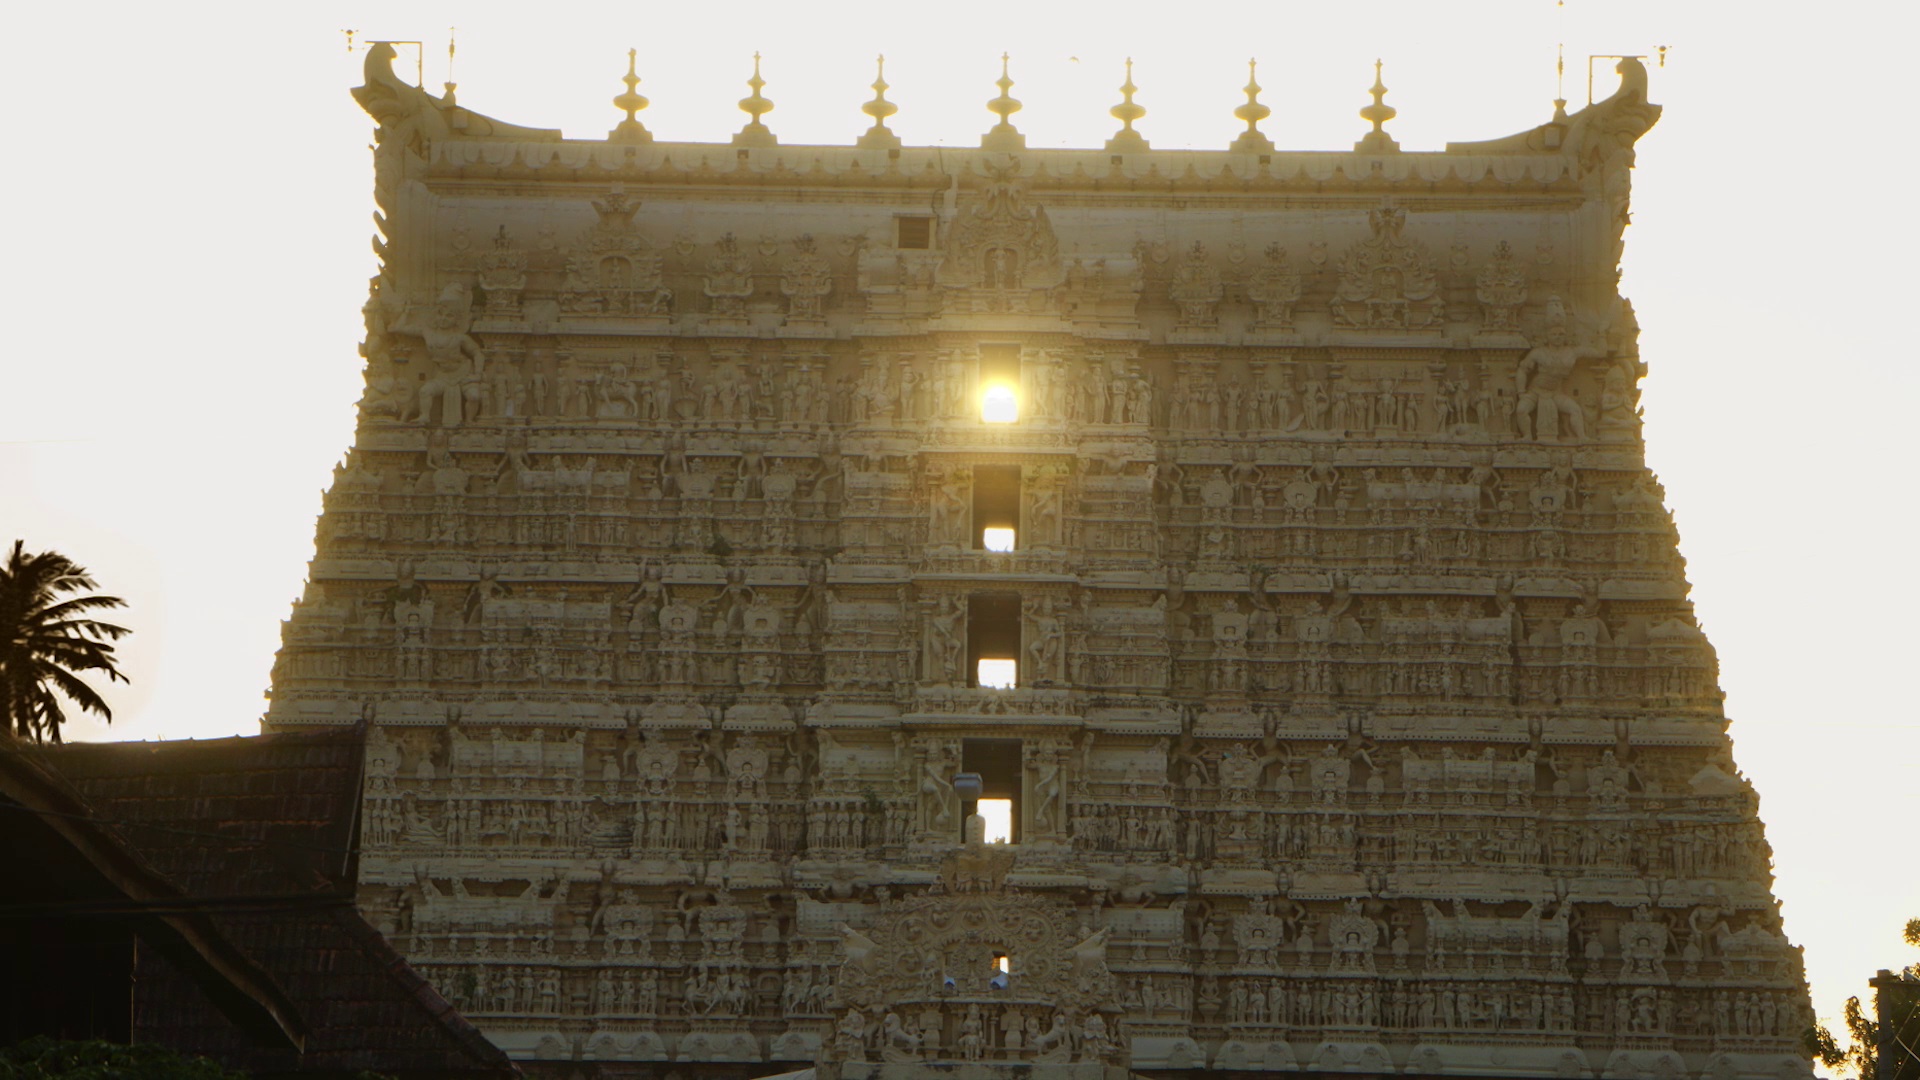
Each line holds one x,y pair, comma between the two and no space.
1358,719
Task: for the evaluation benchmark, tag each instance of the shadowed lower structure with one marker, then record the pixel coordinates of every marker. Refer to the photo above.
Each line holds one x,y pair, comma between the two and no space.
198,895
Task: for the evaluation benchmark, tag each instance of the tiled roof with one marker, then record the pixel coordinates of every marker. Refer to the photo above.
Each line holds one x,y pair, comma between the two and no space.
265,825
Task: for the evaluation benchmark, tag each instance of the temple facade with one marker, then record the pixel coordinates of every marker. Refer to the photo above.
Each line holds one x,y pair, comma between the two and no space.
1262,540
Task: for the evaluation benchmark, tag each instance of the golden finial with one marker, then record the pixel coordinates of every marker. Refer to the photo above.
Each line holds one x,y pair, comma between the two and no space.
1377,141
1127,140
1560,84
878,137
755,106
1251,141
450,84
1003,135
631,129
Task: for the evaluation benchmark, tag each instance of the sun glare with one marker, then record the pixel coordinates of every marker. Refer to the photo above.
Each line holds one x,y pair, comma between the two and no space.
999,815
1000,405
995,538
998,674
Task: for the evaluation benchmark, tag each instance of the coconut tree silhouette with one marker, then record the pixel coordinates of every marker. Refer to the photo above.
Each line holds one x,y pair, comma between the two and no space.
47,638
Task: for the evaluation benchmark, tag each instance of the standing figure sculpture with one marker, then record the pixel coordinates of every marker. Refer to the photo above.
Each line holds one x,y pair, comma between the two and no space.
455,364
1546,404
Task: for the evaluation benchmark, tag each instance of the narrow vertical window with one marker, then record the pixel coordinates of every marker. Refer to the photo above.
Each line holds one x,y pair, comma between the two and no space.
1001,779
999,383
996,507
993,641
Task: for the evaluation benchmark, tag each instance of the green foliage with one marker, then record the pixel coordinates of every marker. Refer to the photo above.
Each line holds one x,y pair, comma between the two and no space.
1864,1035
1824,1047
43,1058
1863,1032
46,639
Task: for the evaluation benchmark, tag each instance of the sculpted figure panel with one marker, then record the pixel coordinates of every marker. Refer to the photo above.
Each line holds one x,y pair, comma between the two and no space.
1361,719
1387,280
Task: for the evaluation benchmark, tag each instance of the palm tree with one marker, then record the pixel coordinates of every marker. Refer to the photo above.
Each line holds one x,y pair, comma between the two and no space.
45,641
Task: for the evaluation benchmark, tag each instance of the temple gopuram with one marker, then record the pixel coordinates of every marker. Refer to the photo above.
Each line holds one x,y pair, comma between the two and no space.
1003,613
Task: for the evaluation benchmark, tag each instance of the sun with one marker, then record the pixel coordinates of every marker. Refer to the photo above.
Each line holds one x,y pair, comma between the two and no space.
999,405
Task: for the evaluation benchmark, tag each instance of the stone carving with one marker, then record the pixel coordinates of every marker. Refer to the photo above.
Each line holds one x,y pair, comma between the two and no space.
1196,290
1044,634
945,643
612,269
729,280
1361,719
1002,243
805,281
950,514
503,276
1546,406
1274,287
450,391
954,961
1386,280
1501,287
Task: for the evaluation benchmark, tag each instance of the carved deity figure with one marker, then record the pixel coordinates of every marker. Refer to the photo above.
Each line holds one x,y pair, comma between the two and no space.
949,511
805,281
945,642
503,276
729,281
1546,405
455,363
1619,413
1196,289
1501,287
1274,287
935,782
1002,242
1387,281
1044,483
1045,641
612,269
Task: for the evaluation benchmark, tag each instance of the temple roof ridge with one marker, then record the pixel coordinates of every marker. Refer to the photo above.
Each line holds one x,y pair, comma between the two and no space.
1591,134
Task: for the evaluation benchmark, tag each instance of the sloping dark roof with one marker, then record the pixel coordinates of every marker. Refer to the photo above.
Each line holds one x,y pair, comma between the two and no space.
263,828
89,894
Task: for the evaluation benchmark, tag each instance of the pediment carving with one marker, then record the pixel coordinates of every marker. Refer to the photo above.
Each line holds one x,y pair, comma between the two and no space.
613,269
1002,241
1387,280
947,975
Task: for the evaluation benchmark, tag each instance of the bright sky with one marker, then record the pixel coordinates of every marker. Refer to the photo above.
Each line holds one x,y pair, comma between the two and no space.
189,253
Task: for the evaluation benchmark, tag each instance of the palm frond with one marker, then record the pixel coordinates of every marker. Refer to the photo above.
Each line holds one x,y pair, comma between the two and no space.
46,638
81,603
79,692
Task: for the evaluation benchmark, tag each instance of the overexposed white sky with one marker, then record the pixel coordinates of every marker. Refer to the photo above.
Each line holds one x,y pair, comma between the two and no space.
188,252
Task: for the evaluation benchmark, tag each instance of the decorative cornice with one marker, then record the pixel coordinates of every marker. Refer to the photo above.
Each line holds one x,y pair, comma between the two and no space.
1557,152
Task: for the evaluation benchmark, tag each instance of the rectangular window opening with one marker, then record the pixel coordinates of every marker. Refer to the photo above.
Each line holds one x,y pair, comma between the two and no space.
1002,777
996,507
999,383
993,641
999,815
997,674
913,232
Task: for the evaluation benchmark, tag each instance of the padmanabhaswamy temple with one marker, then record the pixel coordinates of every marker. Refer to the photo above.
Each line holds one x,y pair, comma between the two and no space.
1259,543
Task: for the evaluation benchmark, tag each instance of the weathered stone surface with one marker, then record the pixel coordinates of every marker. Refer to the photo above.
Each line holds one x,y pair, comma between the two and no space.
1361,722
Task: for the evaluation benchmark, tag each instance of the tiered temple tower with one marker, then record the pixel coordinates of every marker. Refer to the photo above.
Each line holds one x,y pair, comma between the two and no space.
1358,718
